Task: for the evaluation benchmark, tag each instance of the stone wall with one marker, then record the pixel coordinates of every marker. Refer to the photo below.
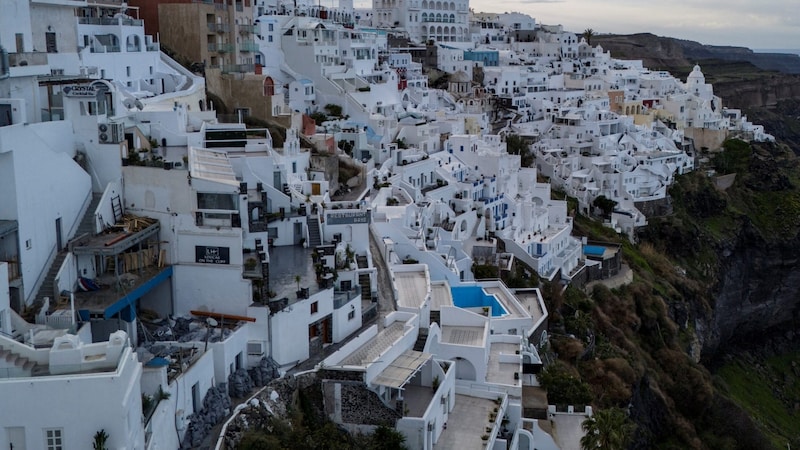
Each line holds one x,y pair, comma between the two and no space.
359,405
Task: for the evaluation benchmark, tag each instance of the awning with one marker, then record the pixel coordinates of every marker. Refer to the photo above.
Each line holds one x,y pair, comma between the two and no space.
402,369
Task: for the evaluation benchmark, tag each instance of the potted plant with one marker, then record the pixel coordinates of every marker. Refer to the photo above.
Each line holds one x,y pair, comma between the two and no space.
435,383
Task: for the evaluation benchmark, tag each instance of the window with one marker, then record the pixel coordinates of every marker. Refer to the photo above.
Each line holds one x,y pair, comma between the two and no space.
314,307
128,70
270,27
351,315
53,439
269,38
216,201
196,405
50,42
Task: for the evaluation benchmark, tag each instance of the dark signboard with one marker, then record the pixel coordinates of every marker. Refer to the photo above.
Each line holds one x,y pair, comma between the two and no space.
212,255
347,217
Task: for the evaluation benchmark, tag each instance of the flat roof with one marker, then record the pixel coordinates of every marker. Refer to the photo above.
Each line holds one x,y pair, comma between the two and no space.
466,423
400,371
502,373
411,288
440,296
372,349
211,165
463,335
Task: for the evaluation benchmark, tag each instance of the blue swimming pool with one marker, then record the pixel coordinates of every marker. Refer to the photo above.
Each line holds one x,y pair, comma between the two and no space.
593,250
474,297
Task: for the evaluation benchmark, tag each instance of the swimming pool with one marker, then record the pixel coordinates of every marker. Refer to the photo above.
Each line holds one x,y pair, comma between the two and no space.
593,250
475,297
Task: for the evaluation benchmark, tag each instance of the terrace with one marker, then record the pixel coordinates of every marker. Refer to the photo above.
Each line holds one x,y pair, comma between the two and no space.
466,424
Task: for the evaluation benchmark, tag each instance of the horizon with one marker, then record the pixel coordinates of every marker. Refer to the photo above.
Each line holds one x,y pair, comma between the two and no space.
738,23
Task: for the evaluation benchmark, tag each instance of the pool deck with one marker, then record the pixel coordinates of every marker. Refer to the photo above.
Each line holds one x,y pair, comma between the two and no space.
440,296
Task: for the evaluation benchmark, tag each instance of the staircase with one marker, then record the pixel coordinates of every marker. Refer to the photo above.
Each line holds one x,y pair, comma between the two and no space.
422,337
314,236
11,359
85,227
436,316
366,288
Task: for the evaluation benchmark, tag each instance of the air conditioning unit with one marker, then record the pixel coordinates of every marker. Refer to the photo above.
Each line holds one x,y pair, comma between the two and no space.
255,348
56,71
110,133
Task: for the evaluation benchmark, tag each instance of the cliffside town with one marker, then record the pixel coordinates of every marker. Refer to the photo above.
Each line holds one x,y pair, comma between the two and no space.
402,257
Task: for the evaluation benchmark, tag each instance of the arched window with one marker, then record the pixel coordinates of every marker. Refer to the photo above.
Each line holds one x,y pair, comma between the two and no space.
133,44
452,18
269,86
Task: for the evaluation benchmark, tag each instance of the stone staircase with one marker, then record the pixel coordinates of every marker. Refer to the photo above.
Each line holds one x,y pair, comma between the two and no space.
436,316
366,287
314,236
422,337
11,359
85,227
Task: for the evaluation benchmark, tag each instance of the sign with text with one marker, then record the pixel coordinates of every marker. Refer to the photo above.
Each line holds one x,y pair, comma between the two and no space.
212,255
347,217
79,90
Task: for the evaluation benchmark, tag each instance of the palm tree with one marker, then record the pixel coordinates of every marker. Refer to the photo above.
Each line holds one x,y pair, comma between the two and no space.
588,34
607,429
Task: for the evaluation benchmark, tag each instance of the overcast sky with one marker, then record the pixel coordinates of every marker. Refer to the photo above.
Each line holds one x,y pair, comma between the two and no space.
746,23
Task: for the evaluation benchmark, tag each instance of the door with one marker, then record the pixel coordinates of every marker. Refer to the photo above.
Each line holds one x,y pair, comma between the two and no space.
16,438
315,189
59,243
298,232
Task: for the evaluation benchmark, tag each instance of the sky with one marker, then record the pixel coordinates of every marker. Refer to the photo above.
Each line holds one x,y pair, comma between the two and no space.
755,24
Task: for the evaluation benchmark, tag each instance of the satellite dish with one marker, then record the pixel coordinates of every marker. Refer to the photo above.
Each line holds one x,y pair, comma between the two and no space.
211,322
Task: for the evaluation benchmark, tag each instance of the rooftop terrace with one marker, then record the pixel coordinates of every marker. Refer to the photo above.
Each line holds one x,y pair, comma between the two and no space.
466,424
473,336
371,350
411,288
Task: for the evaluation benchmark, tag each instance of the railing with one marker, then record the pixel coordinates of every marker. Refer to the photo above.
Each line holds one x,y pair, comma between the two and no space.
220,48
238,68
110,21
247,29
154,47
218,27
249,46
105,49
27,59
341,298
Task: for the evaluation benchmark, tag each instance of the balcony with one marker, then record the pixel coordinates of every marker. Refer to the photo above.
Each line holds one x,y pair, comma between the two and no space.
247,29
27,59
248,46
220,48
99,48
218,27
113,21
343,297
238,68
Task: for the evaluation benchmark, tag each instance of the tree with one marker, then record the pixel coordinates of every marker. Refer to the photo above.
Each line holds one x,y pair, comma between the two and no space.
516,145
588,34
605,204
562,386
607,429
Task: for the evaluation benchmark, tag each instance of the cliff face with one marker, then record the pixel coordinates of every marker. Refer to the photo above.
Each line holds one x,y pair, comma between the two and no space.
757,291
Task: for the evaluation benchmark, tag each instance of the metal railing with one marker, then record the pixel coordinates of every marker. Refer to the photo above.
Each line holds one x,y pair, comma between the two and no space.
220,48
218,27
238,68
248,46
111,21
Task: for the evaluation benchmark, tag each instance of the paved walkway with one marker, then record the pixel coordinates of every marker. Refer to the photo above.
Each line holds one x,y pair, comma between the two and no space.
625,276
386,300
